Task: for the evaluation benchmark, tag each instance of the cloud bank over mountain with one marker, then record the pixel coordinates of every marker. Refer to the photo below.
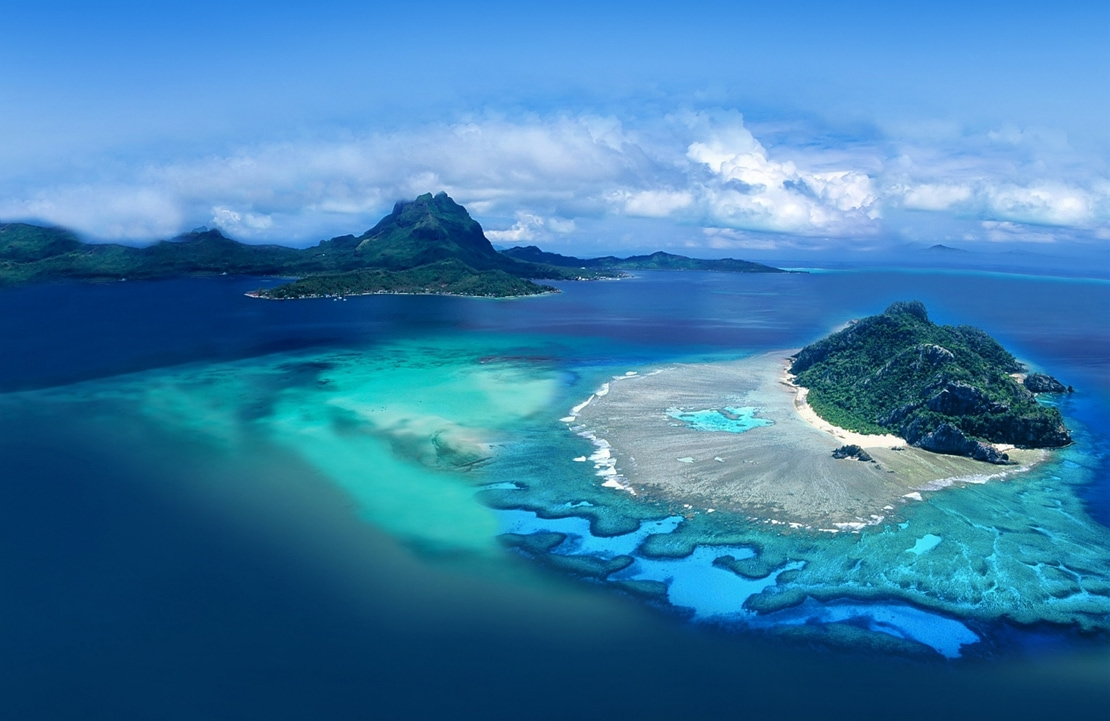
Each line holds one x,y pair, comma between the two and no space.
705,175
581,126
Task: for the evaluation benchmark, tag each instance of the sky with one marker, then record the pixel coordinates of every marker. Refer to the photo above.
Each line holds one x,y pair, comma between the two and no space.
710,128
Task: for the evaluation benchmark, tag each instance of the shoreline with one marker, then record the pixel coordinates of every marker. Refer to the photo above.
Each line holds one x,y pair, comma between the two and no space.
256,294
870,441
782,474
806,412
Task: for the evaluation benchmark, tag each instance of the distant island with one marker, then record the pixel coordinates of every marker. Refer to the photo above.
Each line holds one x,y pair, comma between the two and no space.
947,389
427,245
655,261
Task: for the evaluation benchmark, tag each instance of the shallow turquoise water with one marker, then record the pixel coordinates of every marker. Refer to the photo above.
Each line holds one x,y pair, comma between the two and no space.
433,425
1018,549
448,443
404,430
925,544
732,420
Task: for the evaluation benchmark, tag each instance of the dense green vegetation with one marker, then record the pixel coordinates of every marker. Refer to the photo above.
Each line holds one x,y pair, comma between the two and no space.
415,241
30,253
900,372
412,241
446,277
427,230
655,261
22,243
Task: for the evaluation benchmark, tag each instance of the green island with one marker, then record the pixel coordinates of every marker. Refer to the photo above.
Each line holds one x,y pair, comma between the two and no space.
946,389
444,277
429,245
835,437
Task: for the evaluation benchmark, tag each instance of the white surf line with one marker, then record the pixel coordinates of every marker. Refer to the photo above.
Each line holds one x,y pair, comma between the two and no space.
859,524
573,415
605,465
603,390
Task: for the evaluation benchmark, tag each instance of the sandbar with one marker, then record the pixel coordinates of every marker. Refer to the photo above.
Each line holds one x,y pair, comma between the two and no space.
783,473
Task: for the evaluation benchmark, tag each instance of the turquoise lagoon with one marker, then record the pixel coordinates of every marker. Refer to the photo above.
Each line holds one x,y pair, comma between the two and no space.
725,420
437,422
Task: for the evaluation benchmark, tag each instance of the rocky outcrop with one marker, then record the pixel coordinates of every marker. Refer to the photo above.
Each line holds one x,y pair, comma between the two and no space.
954,399
946,438
1035,431
920,359
1042,383
960,399
852,451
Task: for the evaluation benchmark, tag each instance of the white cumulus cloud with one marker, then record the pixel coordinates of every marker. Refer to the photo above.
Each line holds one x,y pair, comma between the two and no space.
1044,204
561,178
654,203
1021,180
936,196
525,228
750,190
234,222
110,211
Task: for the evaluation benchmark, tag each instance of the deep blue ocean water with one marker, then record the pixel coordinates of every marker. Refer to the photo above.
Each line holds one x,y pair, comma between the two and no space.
180,539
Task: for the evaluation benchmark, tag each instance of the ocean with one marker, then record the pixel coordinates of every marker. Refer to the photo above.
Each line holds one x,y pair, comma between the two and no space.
220,507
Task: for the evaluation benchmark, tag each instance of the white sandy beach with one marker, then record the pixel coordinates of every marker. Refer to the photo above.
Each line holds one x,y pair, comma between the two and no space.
863,440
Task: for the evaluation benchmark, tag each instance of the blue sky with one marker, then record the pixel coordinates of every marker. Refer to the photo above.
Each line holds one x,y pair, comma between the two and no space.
720,128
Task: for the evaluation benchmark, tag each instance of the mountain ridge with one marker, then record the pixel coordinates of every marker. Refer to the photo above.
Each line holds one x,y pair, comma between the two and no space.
432,241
